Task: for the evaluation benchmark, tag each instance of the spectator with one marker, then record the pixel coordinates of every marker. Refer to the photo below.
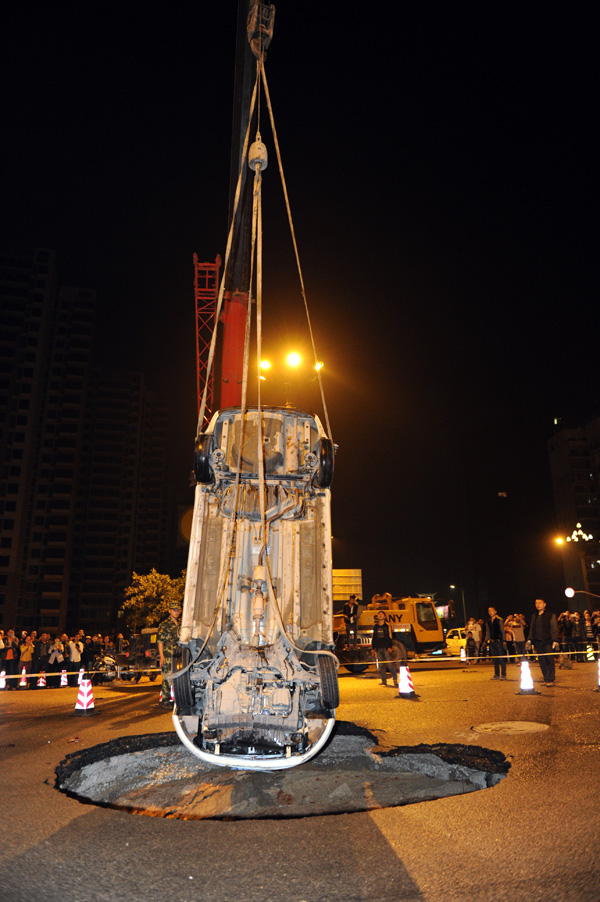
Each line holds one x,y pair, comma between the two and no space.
577,636
565,625
470,648
351,620
26,658
494,634
75,649
56,660
166,643
381,646
10,658
41,655
543,636
517,625
475,627
88,655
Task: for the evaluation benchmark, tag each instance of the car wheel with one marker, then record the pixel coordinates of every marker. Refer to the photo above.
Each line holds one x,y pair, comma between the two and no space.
202,468
400,653
330,690
324,475
356,668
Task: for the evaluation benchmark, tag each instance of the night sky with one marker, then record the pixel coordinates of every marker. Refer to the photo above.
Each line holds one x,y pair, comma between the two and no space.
441,163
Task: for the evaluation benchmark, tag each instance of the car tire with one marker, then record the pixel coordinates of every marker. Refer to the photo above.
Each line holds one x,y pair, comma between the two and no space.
203,470
182,687
356,668
330,690
400,653
324,476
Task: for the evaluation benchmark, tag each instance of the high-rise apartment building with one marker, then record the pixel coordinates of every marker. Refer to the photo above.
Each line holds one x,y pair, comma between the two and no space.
575,468
82,452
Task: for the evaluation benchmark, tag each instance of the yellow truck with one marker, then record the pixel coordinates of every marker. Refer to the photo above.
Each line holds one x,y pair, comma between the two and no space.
414,622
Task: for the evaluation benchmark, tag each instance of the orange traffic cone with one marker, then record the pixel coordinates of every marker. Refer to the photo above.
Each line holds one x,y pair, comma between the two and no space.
63,678
23,680
41,680
81,676
526,685
405,684
84,705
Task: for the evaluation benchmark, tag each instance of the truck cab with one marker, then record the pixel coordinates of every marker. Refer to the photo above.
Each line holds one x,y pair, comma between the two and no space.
414,623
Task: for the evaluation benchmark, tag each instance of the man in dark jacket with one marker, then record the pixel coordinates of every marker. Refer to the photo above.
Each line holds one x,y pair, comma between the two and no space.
543,636
381,646
495,636
351,620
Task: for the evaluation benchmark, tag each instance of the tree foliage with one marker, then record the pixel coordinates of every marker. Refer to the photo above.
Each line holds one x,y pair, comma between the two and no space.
148,597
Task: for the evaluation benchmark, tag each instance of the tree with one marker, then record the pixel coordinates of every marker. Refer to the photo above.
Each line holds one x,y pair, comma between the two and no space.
148,597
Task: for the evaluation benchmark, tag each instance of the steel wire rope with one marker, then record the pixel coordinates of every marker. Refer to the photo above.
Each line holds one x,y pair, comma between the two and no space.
233,527
296,253
260,456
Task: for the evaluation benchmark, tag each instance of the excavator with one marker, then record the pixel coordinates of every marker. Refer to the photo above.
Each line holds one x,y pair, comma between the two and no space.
255,684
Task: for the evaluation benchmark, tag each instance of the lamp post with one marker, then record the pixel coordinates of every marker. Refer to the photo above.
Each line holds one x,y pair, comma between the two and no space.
579,538
462,592
571,592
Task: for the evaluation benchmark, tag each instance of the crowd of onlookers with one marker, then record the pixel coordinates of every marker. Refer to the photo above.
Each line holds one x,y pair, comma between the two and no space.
577,632
50,655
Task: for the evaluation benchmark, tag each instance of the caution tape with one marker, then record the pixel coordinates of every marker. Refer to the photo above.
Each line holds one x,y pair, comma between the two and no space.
87,673
452,659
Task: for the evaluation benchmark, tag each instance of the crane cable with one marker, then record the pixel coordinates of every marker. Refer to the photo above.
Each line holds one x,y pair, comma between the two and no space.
256,249
233,525
293,234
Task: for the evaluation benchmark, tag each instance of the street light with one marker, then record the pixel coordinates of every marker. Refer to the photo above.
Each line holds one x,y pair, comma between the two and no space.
462,592
579,538
571,592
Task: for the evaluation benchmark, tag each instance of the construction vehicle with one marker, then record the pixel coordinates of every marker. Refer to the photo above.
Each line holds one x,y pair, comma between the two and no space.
255,685
414,623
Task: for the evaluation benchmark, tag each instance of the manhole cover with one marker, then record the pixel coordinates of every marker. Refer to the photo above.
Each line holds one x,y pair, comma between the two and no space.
155,775
511,726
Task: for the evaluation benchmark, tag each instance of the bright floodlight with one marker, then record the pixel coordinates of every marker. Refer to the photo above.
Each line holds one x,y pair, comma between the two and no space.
318,366
293,359
569,592
265,364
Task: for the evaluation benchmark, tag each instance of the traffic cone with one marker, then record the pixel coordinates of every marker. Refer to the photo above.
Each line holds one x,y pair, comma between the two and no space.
63,678
596,690
3,679
84,705
526,681
405,684
463,654
23,680
589,653
81,676
41,683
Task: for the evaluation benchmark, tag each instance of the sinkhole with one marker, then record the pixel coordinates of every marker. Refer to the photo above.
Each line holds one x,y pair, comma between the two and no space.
154,775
